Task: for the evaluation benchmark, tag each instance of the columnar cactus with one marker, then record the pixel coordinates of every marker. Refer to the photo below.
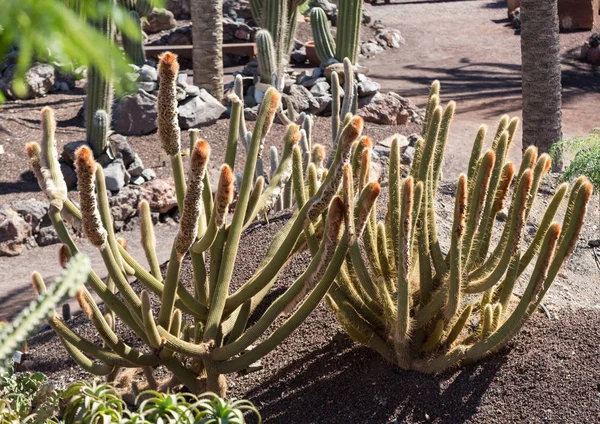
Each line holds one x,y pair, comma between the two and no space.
347,38
134,48
429,310
267,57
99,97
215,341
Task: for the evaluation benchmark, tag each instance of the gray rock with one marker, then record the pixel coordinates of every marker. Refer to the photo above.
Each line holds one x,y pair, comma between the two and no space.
324,104
192,91
14,232
159,20
249,100
328,7
384,146
39,80
180,93
123,205
370,49
138,181
148,86
69,149
32,211
367,87
182,80
69,175
115,175
148,174
148,73
135,114
321,88
309,83
251,113
105,158
299,56
408,156
389,37
46,236
122,149
201,110
63,86
136,168
302,100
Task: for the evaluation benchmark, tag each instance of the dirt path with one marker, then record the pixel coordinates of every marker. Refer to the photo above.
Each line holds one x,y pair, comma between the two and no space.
469,47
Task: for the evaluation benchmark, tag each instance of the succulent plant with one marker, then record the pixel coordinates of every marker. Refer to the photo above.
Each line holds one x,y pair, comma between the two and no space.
428,310
200,336
347,38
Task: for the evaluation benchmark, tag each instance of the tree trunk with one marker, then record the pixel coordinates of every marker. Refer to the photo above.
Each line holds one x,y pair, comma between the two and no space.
207,33
540,53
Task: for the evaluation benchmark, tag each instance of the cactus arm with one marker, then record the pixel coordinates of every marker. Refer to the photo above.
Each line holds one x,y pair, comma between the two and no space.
433,102
218,298
405,206
235,123
348,87
458,326
240,323
267,60
335,107
134,48
348,36
476,154
324,43
255,195
502,126
84,362
456,275
507,285
435,337
148,240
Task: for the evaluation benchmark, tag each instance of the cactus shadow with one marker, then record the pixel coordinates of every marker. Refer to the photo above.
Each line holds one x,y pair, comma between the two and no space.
342,382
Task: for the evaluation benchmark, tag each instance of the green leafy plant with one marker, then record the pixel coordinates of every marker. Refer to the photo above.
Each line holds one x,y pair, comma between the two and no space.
202,336
585,157
91,402
427,310
215,410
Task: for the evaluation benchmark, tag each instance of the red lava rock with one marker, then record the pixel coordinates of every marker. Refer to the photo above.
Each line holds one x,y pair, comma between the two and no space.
160,194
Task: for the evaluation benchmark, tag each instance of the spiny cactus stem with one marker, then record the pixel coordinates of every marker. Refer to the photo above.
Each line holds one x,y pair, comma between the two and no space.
179,177
170,288
148,239
294,321
405,206
84,362
235,119
335,107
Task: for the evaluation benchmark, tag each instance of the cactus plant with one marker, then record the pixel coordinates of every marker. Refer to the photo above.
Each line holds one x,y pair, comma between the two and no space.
215,340
428,310
347,38
134,47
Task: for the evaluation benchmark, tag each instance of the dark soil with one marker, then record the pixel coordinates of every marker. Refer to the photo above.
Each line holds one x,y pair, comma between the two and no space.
549,373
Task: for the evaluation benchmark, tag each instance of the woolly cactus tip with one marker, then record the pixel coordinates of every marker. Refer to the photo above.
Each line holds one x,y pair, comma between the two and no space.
84,158
38,288
271,103
200,154
83,303
364,204
293,134
64,255
318,153
224,195
351,132
335,218
122,242
33,150
48,121
435,87
168,64
365,142
546,162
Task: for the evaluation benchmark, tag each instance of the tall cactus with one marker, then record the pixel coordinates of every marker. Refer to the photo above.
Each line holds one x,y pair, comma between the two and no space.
347,38
401,295
215,341
99,95
267,55
134,48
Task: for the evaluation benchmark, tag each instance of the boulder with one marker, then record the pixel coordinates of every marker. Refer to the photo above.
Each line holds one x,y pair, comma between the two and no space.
159,20
69,149
366,86
337,67
148,174
370,49
577,14
124,204
115,175
389,37
199,111
320,89
46,236
32,211
302,100
135,114
384,146
136,167
148,73
69,175
160,195
179,8
39,80
14,232
121,149
383,109
299,55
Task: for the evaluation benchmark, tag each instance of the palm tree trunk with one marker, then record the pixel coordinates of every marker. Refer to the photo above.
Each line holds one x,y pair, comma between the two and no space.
207,33
540,54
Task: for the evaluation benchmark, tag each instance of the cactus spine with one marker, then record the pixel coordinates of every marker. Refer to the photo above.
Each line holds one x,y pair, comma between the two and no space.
217,337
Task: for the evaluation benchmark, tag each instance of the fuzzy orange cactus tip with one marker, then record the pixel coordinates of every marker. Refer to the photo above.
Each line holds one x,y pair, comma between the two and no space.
224,195
168,65
200,154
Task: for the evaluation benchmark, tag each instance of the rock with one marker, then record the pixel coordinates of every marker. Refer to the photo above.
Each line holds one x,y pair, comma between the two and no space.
337,67
69,175
389,37
136,168
160,195
39,80
328,7
148,87
593,56
502,216
107,157
115,175
192,91
179,8
121,149
46,236
302,100
367,87
577,14
199,111
381,109
408,155
69,149
403,117
63,86
159,20
182,80
299,56
14,232
320,89
370,49
384,146
148,174
249,100
32,211
324,104
237,9
251,113
310,83
135,114
124,204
